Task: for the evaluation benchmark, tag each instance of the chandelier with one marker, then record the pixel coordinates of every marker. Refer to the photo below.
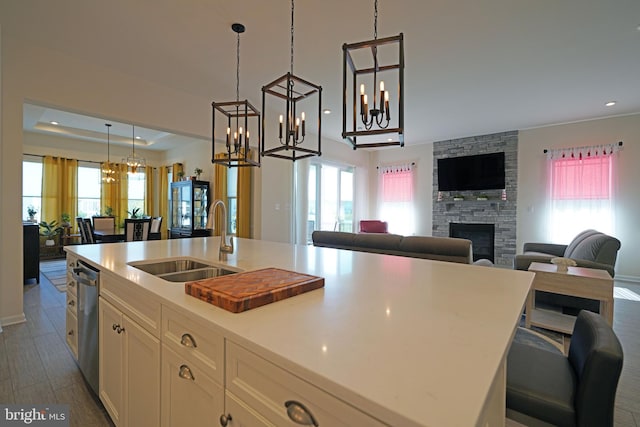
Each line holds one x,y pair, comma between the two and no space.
134,162
291,126
108,169
366,121
238,116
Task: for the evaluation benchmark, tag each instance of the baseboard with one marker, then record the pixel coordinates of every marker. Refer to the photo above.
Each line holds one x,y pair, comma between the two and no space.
630,279
12,320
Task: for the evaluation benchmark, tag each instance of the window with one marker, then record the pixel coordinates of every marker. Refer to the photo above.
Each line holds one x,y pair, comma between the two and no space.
31,187
330,198
135,190
581,191
88,189
396,196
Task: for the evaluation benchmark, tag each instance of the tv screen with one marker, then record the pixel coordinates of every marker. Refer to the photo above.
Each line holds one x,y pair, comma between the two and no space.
479,172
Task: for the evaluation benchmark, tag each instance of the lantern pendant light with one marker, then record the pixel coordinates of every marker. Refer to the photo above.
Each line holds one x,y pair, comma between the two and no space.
134,162
108,169
292,142
239,115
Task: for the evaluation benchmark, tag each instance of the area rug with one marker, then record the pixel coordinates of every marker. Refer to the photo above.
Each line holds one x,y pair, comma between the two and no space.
542,338
56,273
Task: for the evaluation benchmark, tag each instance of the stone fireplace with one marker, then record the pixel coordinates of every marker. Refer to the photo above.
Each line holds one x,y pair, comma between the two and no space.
493,207
482,237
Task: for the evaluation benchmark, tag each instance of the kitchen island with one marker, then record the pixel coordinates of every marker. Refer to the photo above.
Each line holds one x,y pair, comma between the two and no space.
402,341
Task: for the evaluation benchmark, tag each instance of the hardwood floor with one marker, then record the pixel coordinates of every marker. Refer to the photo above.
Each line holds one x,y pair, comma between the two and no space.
37,367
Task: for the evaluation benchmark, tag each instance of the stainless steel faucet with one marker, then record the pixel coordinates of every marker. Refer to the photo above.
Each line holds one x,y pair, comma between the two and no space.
224,248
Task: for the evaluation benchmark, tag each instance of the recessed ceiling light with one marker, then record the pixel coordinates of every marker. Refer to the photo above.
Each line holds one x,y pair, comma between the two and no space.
137,137
610,103
389,139
54,123
326,111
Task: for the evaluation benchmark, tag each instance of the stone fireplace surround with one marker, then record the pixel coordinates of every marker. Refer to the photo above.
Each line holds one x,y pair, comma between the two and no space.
501,213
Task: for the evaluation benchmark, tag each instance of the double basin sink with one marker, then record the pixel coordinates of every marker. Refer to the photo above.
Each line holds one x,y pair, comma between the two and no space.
181,269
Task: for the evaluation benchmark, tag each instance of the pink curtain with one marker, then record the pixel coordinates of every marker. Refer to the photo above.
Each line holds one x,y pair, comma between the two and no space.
396,198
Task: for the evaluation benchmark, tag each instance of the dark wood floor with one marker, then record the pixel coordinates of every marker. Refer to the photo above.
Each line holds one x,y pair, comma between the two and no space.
37,367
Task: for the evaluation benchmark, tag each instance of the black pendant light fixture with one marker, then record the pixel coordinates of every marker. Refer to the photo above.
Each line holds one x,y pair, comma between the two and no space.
372,119
108,169
295,98
239,116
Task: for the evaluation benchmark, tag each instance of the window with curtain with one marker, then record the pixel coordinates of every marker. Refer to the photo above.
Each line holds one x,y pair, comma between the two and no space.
32,187
136,191
396,185
89,179
581,190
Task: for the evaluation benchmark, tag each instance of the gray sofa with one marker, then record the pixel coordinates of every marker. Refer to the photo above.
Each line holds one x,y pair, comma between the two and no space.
591,249
435,248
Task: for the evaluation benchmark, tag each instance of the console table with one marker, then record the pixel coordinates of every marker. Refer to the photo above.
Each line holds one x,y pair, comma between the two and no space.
576,281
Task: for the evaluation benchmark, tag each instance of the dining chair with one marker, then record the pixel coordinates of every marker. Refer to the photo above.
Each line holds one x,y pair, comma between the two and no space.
88,230
83,235
136,229
104,223
154,231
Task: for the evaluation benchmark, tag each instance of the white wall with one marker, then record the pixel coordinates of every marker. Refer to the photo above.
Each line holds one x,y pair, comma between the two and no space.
531,211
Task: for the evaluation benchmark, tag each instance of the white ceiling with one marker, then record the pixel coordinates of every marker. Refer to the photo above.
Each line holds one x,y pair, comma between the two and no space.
472,66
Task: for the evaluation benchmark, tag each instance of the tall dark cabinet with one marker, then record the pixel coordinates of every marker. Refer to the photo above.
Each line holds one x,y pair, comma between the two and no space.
189,204
31,251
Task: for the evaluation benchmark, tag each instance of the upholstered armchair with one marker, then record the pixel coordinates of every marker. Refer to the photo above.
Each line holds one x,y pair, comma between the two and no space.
373,226
590,249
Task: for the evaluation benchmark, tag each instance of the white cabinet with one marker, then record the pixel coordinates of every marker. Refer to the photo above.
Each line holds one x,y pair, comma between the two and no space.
72,308
129,356
260,393
189,396
192,371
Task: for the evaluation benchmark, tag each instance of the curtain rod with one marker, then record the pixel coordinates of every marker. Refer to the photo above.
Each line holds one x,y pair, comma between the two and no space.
412,164
84,161
546,150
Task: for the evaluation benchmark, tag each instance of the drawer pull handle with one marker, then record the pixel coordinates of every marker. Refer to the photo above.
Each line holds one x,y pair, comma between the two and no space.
119,329
185,373
224,419
71,284
299,414
70,333
72,303
188,341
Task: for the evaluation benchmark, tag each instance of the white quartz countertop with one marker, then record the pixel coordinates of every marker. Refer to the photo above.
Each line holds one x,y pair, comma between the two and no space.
409,341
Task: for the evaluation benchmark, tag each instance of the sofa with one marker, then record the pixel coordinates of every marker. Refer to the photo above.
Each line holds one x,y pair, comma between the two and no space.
435,248
590,249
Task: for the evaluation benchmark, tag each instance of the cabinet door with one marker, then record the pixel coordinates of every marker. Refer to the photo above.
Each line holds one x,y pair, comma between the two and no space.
189,397
111,351
141,376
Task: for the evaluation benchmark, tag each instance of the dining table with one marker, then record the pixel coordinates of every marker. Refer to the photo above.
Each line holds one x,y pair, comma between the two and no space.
109,236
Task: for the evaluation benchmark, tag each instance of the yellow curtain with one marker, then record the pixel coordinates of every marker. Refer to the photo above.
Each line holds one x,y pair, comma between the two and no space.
176,169
219,190
59,188
116,194
244,200
149,199
163,198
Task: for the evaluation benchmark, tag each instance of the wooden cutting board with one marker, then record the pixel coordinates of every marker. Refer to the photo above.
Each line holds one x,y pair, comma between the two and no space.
244,291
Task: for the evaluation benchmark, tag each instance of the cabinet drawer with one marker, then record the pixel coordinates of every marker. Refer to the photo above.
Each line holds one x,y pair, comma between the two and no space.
137,303
266,388
72,303
195,340
72,285
189,396
72,332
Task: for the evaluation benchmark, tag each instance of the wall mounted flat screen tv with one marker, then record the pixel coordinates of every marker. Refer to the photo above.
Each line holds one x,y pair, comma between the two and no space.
479,172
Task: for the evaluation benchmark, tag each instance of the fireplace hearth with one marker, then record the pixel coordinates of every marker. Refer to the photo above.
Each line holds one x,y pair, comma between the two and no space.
482,238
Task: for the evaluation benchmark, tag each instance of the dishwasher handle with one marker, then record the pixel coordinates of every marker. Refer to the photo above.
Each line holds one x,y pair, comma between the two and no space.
85,276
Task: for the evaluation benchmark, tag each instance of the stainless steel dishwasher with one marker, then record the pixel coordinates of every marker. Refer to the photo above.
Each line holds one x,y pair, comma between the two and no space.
88,279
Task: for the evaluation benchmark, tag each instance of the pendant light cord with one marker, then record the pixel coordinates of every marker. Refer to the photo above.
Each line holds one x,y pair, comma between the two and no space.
292,7
375,20
238,69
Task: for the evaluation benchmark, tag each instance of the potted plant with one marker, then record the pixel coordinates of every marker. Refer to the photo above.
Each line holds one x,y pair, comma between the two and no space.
134,213
31,211
66,220
197,171
50,230
108,211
